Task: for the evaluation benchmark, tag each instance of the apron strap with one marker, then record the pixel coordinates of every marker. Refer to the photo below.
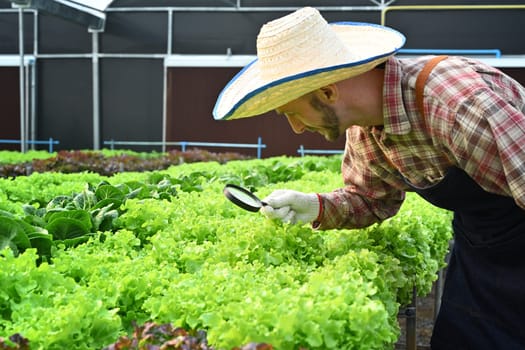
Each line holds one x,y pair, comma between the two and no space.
422,79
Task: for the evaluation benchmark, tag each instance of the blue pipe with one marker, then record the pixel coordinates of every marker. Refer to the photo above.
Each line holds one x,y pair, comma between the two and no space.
184,144
50,142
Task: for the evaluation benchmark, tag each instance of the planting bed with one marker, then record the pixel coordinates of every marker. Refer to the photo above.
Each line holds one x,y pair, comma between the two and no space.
85,257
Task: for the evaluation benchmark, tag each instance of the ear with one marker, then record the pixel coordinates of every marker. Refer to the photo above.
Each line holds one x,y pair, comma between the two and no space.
329,93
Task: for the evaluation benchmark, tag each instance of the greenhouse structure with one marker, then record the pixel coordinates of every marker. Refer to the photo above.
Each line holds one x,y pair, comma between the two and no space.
144,75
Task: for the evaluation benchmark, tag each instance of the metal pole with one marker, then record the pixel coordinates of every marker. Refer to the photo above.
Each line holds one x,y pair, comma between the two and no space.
259,147
23,144
411,322
165,84
26,100
96,89
32,113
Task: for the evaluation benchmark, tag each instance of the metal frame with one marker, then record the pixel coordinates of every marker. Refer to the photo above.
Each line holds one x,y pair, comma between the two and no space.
174,60
94,17
76,11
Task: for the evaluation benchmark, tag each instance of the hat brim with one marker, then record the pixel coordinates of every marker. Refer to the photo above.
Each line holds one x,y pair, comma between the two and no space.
248,95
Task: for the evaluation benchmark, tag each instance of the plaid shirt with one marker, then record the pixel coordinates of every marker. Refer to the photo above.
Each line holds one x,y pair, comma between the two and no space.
474,119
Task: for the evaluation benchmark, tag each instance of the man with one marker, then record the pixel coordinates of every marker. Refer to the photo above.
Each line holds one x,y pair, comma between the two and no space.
449,128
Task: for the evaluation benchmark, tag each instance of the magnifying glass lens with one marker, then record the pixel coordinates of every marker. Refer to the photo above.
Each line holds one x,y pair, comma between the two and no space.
245,197
242,197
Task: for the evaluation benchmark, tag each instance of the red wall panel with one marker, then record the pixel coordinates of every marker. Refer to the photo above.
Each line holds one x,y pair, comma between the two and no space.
192,93
10,106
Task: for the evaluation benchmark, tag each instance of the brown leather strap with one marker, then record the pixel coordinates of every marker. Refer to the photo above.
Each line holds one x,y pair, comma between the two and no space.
422,79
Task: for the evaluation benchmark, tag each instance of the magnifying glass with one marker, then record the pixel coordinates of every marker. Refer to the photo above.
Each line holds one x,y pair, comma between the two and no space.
243,198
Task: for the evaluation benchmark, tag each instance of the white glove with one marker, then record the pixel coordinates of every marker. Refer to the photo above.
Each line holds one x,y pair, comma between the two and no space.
291,206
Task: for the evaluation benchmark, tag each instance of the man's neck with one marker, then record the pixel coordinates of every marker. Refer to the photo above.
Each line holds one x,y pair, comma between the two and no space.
363,99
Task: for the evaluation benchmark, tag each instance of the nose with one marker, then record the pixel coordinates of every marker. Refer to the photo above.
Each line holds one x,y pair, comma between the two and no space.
296,125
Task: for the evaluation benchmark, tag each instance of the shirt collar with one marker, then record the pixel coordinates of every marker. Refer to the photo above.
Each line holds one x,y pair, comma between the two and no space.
395,116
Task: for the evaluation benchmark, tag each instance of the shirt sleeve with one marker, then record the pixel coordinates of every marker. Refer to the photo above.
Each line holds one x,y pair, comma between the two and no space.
367,197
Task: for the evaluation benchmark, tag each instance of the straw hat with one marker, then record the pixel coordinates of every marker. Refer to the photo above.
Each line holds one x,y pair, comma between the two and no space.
299,53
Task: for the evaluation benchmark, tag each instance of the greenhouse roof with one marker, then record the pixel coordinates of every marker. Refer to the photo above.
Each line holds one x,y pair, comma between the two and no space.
86,12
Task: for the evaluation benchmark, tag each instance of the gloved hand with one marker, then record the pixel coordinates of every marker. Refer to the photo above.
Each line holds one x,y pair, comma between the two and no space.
292,206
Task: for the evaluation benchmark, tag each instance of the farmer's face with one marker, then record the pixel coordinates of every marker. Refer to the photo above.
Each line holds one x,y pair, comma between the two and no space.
309,113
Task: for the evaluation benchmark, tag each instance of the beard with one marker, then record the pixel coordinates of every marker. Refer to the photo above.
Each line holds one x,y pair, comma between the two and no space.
329,118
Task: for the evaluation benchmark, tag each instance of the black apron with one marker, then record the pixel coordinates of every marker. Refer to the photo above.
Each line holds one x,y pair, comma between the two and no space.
483,303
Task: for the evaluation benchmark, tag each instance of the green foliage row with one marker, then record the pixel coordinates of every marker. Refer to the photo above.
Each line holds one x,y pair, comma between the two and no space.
13,157
71,219
105,162
193,259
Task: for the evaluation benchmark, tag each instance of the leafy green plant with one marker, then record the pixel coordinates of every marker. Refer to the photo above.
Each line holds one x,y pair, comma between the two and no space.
16,157
18,235
179,253
73,219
